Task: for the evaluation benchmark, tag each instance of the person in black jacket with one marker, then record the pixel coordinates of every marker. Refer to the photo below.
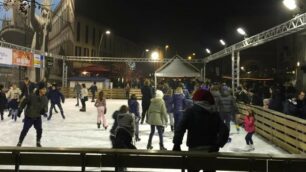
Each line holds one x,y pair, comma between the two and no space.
3,101
37,105
206,130
147,95
93,89
56,97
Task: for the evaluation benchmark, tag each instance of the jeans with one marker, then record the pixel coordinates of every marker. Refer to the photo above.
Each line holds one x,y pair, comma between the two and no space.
28,122
248,138
177,117
93,96
78,95
145,107
137,120
160,130
83,103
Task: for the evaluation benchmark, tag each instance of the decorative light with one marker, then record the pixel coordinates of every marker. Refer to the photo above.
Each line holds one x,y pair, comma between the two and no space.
222,42
208,51
155,55
290,4
241,31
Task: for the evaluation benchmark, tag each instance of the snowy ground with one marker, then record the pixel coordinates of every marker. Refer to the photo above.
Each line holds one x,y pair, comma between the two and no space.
79,129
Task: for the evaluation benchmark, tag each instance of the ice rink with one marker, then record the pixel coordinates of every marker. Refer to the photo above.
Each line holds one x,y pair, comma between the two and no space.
79,129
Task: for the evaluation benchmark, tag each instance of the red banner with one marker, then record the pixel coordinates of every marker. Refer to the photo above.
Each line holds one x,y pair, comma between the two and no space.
22,58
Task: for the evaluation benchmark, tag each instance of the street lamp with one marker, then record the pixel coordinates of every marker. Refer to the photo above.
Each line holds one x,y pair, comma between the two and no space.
100,43
154,55
222,42
290,4
189,57
166,47
208,51
147,50
241,32
193,54
298,64
242,68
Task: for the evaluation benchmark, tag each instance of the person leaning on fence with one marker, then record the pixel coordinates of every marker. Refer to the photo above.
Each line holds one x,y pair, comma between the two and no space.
206,131
37,105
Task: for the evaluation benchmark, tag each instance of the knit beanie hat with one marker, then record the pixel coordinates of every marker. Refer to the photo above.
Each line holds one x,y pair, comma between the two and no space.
203,95
159,94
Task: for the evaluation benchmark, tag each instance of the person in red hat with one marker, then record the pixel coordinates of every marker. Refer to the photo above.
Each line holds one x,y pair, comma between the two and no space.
206,131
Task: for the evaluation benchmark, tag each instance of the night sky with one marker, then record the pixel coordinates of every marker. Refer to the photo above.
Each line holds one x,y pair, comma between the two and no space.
186,25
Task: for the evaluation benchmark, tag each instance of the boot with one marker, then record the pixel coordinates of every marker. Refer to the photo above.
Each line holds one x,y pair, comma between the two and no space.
19,144
161,147
82,110
149,147
38,144
98,124
172,128
77,105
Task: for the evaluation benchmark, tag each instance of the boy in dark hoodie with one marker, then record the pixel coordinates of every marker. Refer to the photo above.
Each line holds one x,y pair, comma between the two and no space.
56,97
37,105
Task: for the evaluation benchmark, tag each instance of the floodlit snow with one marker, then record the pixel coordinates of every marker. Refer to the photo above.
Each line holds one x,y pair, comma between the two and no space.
79,129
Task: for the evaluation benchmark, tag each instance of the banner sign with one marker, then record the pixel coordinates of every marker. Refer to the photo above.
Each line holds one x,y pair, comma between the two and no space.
22,58
6,55
37,60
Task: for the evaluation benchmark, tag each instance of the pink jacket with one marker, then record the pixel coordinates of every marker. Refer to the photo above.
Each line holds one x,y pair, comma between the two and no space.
249,124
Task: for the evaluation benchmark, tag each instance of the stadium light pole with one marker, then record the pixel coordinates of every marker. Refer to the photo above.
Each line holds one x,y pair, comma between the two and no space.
242,32
222,42
290,4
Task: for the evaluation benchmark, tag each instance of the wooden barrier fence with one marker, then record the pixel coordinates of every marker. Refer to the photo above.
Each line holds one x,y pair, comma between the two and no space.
78,159
115,93
286,131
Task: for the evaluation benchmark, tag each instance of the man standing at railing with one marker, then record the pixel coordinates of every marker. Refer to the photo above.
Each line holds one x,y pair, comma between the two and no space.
37,105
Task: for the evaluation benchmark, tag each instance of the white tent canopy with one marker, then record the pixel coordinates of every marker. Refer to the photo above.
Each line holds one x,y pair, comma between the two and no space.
177,67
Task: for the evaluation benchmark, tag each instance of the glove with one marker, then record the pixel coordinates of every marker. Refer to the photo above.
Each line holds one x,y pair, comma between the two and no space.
19,113
176,148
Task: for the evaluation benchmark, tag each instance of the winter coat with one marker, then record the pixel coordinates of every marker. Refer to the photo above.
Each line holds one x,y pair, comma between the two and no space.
13,94
77,89
126,121
93,88
217,96
3,101
157,113
115,124
147,95
249,124
100,103
169,103
242,96
55,96
27,89
84,93
134,107
227,103
178,102
203,127
36,105
295,108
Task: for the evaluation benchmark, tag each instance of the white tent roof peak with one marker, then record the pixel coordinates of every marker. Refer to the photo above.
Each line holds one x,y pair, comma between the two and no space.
177,67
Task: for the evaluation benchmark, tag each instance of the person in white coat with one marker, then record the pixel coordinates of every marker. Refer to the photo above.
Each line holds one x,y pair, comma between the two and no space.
157,117
84,98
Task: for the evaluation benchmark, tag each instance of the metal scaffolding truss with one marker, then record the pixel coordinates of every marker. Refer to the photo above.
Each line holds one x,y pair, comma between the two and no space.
294,25
120,59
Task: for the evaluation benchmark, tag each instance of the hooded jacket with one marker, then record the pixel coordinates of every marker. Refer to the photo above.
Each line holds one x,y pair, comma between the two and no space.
36,105
157,112
134,107
227,103
203,126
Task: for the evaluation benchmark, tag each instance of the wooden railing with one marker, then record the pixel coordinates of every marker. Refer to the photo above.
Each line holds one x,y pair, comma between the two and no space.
286,131
15,158
115,93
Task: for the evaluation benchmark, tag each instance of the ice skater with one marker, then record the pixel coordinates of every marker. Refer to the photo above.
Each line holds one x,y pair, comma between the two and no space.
37,104
13,95
3,101
249,126
101,108
134,108
77,89
84,98
93,89
56,97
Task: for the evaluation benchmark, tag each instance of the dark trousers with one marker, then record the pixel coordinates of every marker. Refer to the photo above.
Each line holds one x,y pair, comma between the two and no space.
93,96
248,138
137,120
59,105
78,98
1,113
28,122
145,107
226,118
83,103
160,130
177,117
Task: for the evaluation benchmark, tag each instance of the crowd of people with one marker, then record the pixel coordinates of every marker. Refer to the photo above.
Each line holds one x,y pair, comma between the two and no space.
205,111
